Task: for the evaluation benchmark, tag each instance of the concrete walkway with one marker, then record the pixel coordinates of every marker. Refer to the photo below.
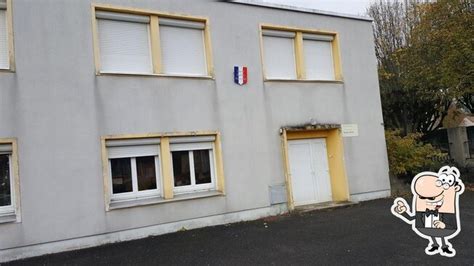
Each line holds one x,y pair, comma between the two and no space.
362,234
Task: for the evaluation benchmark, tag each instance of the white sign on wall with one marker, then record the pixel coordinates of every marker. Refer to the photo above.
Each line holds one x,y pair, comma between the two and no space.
350,130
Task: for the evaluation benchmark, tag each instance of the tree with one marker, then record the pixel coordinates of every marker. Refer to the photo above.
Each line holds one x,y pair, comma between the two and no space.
408,155
392,26
440,58
424,51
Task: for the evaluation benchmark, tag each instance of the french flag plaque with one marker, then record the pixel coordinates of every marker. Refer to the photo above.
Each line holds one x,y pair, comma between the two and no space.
240,75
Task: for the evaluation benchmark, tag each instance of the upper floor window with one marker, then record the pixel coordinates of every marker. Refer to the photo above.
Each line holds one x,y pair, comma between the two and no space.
6,35
124,43
151,43
182,47
294,54
279,54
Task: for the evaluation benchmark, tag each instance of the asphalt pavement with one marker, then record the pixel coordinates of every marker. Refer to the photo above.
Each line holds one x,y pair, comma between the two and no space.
364,234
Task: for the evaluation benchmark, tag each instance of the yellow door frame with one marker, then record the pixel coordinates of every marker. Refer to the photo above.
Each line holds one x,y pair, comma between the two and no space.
335,150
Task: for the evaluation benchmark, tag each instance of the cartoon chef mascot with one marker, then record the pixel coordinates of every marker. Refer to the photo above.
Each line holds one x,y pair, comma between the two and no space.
434,213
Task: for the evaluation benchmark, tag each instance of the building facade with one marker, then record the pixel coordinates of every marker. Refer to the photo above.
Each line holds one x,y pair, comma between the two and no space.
121,119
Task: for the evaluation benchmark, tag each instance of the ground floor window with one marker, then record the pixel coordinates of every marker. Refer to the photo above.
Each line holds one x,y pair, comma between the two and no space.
134,169
155,169
5,182
9,201
193,167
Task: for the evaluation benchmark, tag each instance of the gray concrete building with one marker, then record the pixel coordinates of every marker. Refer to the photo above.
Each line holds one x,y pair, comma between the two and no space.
122,119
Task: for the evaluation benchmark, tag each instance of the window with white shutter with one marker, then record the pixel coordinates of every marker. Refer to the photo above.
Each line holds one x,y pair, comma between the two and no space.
4,50
182,47
300,54
124,43
279,54
150,43
319,64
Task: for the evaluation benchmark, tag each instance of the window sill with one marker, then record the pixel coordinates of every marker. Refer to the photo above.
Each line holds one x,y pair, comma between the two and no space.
8,217
154,75
159,200
304,80
7,70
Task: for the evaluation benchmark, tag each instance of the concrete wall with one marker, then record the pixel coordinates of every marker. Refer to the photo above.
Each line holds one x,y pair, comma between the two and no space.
58,108
459,146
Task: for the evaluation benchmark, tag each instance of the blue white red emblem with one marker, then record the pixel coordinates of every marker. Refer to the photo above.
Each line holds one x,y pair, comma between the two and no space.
240,75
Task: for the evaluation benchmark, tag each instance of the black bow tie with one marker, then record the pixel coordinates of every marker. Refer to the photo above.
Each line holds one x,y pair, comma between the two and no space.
431,212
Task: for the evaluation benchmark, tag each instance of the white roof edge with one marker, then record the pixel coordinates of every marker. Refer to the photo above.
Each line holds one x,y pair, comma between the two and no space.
300,9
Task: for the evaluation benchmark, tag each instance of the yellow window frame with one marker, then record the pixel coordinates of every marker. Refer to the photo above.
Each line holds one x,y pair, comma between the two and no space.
11,46
15,175
299,54
165,162
154,38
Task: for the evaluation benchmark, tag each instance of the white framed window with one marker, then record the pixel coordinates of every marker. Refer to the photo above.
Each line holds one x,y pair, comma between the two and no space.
300,54
124,43
193,167
7,190
279,54
4,42
182,47
134,169
163,167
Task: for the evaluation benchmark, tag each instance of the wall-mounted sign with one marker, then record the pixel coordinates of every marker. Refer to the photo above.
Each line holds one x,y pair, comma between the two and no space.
350,130
240,75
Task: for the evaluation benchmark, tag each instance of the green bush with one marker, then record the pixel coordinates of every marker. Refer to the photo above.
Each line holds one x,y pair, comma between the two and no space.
408,155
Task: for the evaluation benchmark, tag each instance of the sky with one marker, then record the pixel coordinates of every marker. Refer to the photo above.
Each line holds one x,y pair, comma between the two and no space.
354,7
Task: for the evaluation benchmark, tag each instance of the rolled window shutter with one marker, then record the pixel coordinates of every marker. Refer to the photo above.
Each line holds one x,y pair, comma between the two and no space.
133,151
279,33
193,139
189,147
124,47
4,58
181,23
279,56
132,142
6,148
318,60
192,143
122,17
182,50
317,37
124,148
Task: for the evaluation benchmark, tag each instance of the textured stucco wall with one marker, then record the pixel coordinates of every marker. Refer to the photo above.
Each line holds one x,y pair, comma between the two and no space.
58,108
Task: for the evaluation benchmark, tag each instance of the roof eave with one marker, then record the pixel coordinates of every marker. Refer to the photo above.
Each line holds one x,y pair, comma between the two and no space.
299,9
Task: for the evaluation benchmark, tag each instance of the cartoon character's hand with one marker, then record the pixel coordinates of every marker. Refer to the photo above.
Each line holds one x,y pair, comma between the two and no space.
439,224
399,207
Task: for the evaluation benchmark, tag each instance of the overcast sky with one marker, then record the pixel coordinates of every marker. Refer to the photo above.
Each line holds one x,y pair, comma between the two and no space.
355,7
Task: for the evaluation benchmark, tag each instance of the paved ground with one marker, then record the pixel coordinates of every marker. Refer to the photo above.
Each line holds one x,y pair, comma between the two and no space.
363,234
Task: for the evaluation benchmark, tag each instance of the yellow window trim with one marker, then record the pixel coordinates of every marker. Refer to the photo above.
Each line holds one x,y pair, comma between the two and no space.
154,75
154,37
335,149
15,174
299,55
11,43
165,161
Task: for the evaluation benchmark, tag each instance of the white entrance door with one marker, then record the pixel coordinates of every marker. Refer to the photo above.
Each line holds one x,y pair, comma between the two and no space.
309,171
